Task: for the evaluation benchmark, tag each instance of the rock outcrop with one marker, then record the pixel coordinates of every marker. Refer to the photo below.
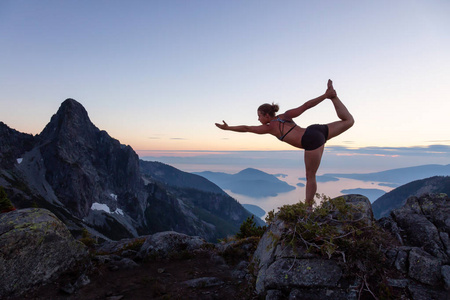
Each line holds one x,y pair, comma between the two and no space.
35,248
417,265
422,227
404,256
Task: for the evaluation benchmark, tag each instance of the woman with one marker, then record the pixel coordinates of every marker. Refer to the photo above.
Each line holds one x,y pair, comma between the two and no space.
312,139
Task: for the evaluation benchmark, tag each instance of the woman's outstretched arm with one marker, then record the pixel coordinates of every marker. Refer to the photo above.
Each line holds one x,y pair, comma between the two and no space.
295,112
262,129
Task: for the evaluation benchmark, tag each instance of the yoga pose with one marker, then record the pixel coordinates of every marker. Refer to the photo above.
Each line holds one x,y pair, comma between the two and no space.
312,139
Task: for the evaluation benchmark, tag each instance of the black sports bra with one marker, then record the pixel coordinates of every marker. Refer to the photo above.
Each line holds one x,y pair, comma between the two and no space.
281,126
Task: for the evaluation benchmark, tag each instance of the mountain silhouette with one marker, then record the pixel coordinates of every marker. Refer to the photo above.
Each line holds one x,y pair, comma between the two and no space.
92,181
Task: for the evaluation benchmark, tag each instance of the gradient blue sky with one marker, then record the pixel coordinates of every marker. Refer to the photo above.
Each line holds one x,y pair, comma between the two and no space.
157,75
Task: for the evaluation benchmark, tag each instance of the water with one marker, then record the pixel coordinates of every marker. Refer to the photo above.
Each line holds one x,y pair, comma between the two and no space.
331,189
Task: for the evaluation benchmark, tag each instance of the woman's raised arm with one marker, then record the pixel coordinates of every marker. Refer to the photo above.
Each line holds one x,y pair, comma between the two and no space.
261,129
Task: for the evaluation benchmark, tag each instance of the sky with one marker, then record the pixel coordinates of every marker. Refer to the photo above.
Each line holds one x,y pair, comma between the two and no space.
157,75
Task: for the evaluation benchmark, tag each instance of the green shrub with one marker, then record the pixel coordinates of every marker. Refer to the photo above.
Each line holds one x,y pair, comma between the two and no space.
86,238
5,203
249,229
134,245
331,230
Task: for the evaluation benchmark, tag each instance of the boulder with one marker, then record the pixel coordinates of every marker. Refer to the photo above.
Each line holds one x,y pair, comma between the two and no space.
283,269
167,243
363,209
415,252
36,247
424,267
421,222
287,273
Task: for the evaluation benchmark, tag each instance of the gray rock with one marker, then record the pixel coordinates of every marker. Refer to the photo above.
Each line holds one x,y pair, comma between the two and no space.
274,295
397,283
421,292
240,270
288,273
203,282
123,264
320,294
417,229
68,289
445,271
36,247
218,260
401,261
239,274
446,242
265,252
390,225
424,267
362,206
83,280
287,251
163,244
391,256
119,246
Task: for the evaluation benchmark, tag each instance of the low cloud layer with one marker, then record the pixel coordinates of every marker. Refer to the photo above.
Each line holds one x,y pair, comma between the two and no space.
335,158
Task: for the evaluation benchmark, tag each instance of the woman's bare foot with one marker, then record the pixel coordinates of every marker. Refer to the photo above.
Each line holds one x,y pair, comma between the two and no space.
330,92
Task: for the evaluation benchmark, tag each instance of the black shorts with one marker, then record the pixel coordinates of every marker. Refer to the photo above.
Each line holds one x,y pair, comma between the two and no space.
314,136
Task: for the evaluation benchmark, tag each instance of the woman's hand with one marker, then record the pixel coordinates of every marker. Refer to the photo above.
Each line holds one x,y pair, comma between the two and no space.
223,126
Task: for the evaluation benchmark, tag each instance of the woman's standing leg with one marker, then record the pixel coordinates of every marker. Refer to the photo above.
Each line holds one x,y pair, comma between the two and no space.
312,163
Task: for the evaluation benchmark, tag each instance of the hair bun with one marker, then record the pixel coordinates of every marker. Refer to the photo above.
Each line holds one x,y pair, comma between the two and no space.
270,109
275,107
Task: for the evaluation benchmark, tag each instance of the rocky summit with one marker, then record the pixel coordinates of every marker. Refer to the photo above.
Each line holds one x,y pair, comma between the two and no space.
403,256
338,251
91,181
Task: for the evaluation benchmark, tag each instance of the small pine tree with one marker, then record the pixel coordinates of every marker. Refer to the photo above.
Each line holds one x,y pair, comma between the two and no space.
249,229
86,238
5,203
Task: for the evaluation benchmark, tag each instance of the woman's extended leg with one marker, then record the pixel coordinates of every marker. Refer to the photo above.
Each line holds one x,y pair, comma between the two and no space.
312,163
338,127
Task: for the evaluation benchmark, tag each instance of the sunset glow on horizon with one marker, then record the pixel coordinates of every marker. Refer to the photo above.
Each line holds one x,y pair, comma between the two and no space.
157,75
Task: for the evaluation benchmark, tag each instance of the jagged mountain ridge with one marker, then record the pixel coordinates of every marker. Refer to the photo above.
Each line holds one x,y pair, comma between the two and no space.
12,144
98,163
88,179
397,197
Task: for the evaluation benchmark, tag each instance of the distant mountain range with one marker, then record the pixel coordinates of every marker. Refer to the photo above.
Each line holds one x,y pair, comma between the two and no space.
395,176
397,197
249,182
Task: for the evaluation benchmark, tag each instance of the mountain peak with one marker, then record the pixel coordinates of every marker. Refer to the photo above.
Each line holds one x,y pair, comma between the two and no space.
72,108
70,117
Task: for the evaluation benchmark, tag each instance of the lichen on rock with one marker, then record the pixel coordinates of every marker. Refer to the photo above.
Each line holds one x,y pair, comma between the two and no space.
35,247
